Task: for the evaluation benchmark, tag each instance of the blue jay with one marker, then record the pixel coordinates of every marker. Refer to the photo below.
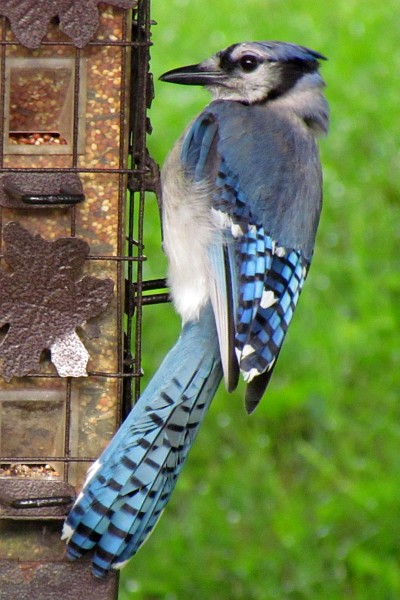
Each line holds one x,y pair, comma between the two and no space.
241,199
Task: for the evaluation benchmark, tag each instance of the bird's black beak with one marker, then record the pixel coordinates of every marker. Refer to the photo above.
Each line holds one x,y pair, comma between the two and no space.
192,75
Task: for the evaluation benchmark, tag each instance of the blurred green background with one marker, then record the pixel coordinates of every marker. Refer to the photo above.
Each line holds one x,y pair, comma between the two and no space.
300,500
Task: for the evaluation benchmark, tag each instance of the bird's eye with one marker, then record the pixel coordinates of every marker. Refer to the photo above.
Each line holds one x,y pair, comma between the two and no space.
249,63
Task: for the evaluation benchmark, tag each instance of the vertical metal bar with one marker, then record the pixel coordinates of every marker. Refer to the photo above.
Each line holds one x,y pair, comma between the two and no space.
130,247
75,130
139,106
67,434
75,135
122,199
2,107
3,87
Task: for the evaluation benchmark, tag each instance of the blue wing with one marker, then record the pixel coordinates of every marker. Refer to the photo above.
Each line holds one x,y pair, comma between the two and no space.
265,228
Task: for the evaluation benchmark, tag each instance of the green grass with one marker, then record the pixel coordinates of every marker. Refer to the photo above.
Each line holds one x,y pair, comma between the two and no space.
301,500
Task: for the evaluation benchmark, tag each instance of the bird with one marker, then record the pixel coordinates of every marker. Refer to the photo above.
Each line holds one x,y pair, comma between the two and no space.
241,202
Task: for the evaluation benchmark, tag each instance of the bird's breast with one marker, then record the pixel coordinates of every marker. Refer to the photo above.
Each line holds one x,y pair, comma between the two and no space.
187,232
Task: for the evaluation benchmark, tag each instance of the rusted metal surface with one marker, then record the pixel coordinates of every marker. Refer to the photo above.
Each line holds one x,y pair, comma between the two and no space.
32,507
143,176
78,19
50,580
18,191
27,498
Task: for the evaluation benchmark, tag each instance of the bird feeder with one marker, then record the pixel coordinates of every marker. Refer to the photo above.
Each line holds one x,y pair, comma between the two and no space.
74,170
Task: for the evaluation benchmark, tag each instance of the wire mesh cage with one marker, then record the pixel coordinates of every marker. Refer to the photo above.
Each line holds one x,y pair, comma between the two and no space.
74,174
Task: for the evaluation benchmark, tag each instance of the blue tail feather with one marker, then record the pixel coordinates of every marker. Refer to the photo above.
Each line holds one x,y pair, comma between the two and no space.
132,481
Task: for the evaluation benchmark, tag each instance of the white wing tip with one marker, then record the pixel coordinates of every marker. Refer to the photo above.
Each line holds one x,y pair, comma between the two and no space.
249,375
223,221
236,230
268,299
280,251
247,350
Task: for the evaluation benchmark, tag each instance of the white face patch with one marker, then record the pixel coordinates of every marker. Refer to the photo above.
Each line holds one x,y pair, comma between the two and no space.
249,86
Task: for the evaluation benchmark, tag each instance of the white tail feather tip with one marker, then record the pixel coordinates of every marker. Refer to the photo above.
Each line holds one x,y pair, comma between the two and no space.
67,532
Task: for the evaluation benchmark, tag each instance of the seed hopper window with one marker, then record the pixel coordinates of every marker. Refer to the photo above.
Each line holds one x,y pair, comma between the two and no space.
44,411
40,107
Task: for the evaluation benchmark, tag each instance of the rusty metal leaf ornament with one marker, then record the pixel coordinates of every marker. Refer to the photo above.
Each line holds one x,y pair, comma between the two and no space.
79,19
43,299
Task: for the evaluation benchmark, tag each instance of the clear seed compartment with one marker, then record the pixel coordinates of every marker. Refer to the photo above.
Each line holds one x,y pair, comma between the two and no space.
40,103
